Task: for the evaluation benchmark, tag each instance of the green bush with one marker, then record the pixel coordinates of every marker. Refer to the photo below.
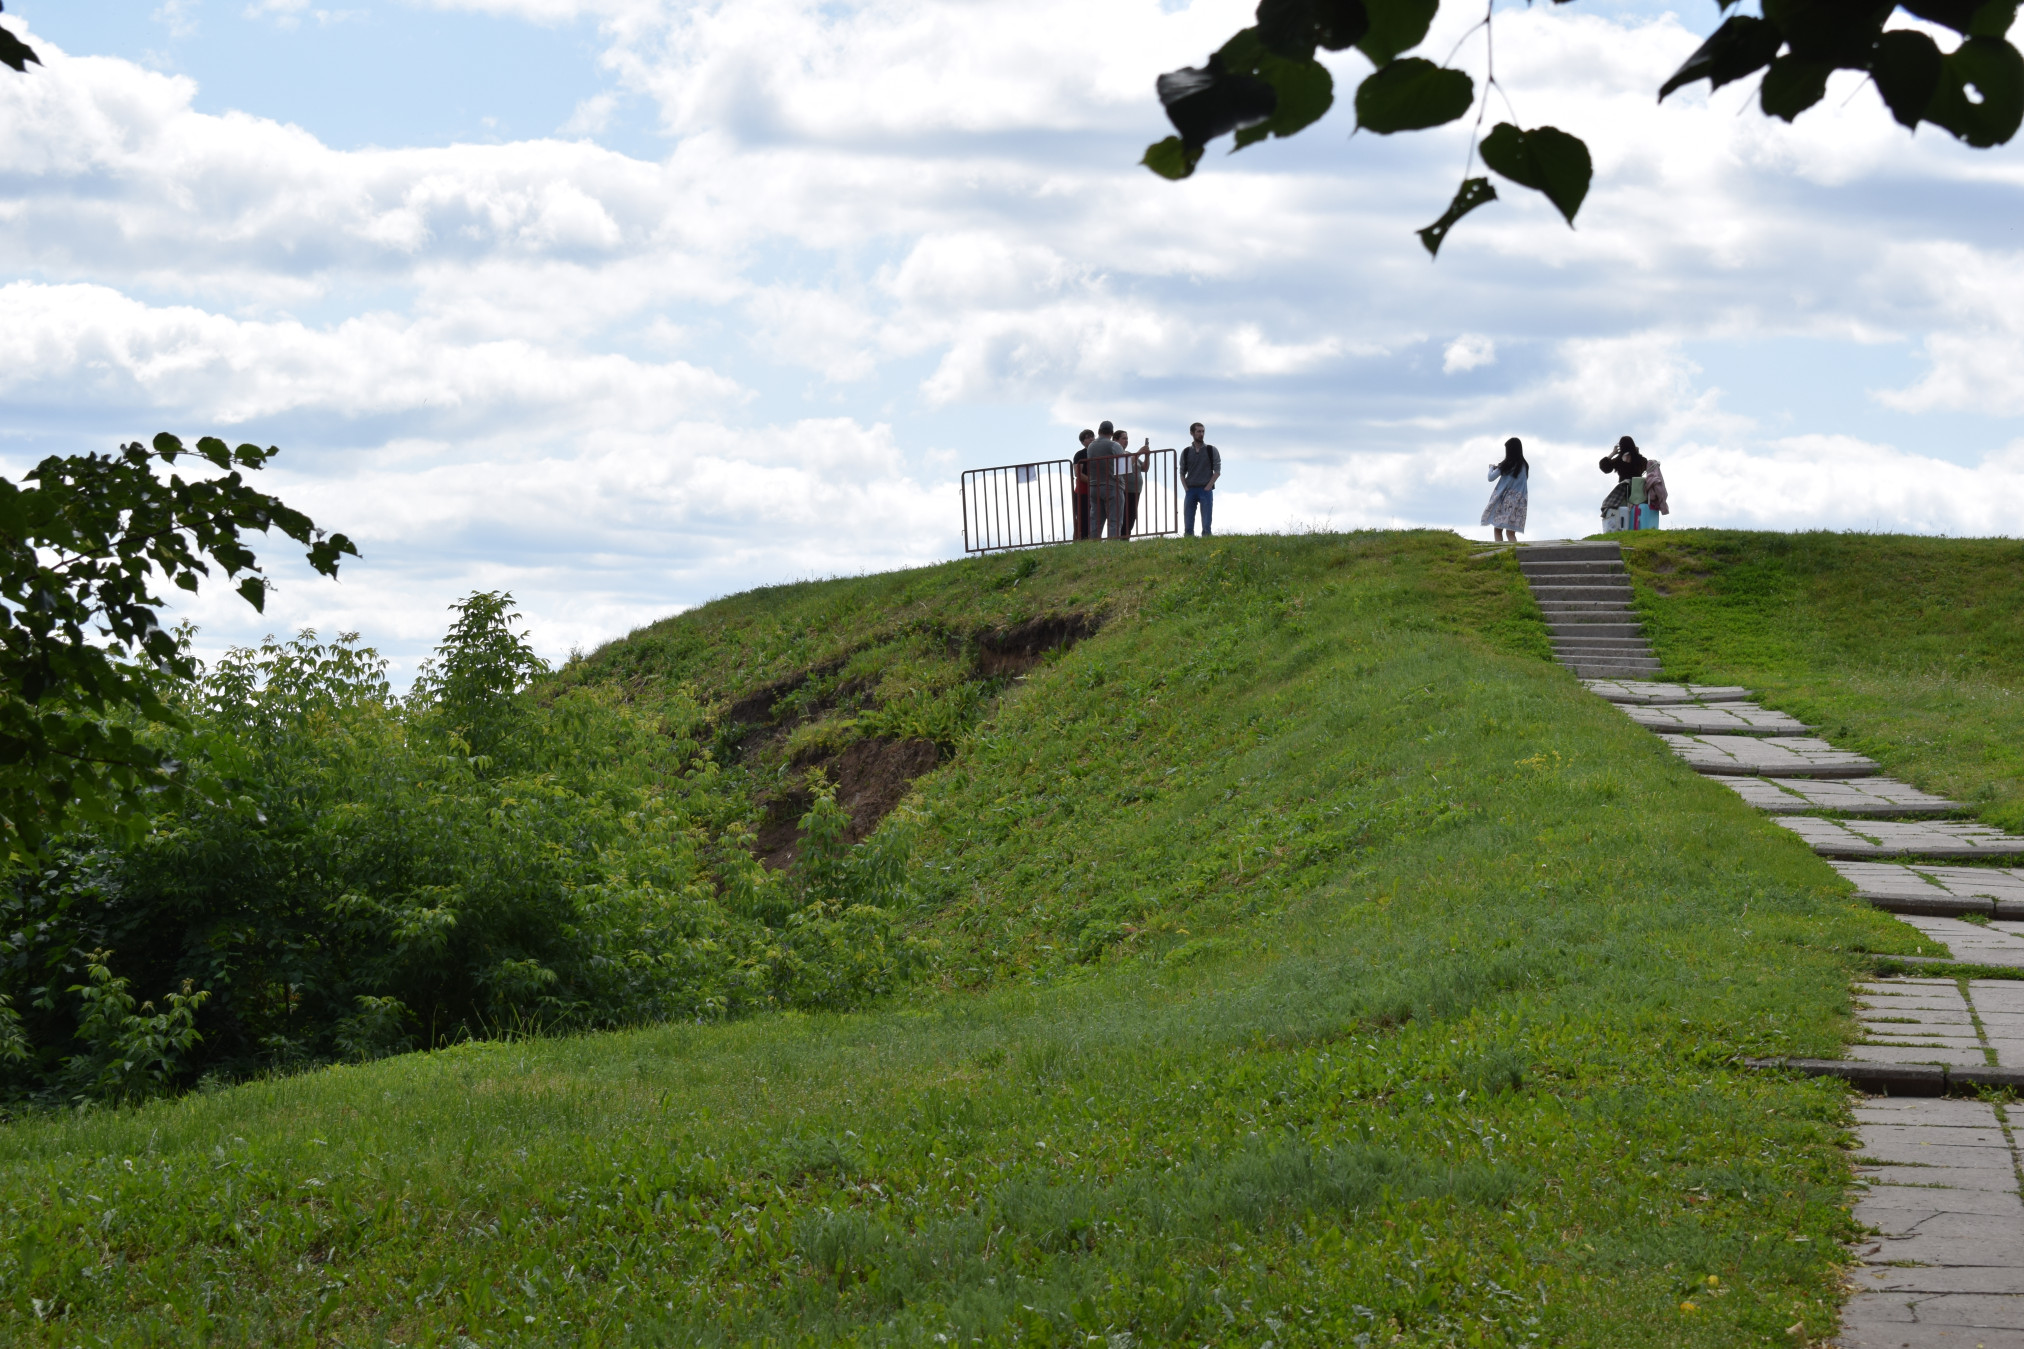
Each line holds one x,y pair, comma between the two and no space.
483,857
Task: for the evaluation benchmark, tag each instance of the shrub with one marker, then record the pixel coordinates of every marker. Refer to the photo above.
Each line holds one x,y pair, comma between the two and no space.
376,873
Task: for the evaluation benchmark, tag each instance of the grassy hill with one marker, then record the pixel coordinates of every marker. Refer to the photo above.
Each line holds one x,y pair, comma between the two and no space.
1313,963
1909,649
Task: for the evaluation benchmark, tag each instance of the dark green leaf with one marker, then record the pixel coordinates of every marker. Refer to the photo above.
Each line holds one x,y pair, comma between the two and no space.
254,591
1906,69
14,52
1286,28
1207,101
1995,71
1993,19
167,446
1474,192
1340,24
1411,95
1306,90
1395,26
1837,33
1960,15
1545,159
1172,158
1739,47
1791,87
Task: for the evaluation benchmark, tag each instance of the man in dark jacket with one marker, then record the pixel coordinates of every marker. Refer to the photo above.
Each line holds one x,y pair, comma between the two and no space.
1201,465
1081,497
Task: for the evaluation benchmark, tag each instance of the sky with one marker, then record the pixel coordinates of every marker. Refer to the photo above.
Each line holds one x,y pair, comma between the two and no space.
622,305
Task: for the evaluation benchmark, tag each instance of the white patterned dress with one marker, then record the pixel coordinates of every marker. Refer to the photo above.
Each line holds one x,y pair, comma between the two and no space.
1507,504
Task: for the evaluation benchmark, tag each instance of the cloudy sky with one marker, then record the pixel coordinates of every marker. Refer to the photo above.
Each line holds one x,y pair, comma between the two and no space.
624,304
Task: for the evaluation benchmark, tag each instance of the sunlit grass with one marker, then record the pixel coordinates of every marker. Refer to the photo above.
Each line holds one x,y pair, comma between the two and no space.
1318,964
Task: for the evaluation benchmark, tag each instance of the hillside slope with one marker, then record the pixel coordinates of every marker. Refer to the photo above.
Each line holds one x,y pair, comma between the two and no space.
1315,963
1908,649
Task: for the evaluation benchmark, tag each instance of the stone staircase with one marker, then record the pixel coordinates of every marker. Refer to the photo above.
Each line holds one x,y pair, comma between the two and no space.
1584,593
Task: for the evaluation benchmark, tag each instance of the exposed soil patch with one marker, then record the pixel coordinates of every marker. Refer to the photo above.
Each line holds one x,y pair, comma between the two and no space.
871,777
1017,649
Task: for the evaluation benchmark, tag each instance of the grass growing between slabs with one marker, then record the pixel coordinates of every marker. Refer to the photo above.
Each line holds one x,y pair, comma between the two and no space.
1908,649
1317,964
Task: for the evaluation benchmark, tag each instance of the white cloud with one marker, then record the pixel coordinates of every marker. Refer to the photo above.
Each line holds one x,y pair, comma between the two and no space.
1467,352
890,238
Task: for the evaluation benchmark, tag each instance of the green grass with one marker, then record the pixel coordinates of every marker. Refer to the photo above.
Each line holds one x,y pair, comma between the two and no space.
1908,649
1318,964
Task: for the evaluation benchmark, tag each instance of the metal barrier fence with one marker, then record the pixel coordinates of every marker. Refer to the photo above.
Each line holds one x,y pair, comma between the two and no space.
1032,505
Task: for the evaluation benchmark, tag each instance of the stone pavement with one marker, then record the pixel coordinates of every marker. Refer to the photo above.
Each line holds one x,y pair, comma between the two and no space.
1916,888
1770,756
1902,838
1843,796
1732,718
1939,1178
1939,1185
1637,691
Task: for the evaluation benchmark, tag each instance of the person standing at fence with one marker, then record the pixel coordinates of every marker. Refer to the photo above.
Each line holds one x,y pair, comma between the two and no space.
1506,511
1106,496
1132,475
1080,501
1201,465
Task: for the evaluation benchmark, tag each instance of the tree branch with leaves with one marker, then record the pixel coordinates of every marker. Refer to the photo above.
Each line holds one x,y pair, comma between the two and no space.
1266,81
83,654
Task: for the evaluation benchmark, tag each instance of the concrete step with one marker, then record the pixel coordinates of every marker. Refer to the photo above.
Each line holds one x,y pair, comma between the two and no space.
1620,594
1580,631
1568,552
1572,608
1605,568
1603,650
1587,669
1582,616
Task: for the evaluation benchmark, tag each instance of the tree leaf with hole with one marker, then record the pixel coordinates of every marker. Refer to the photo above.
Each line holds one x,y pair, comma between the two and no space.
1791,87
1545,159
1741,46
1996,72
1411,95
1906,69
1395,26
1473,192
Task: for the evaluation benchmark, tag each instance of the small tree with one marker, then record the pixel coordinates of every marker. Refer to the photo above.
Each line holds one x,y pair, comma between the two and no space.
83,654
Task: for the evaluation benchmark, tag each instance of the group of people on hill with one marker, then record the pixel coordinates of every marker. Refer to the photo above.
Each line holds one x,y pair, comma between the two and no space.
1636,502
1110,475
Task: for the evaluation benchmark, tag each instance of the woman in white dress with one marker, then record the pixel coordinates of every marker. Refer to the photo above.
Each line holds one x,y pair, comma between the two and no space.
1506,511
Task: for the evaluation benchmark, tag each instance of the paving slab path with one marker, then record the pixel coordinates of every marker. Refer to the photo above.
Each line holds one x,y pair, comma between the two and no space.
1842,796
1906,888
1941,1180
1734,718
1904,838
1768,756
